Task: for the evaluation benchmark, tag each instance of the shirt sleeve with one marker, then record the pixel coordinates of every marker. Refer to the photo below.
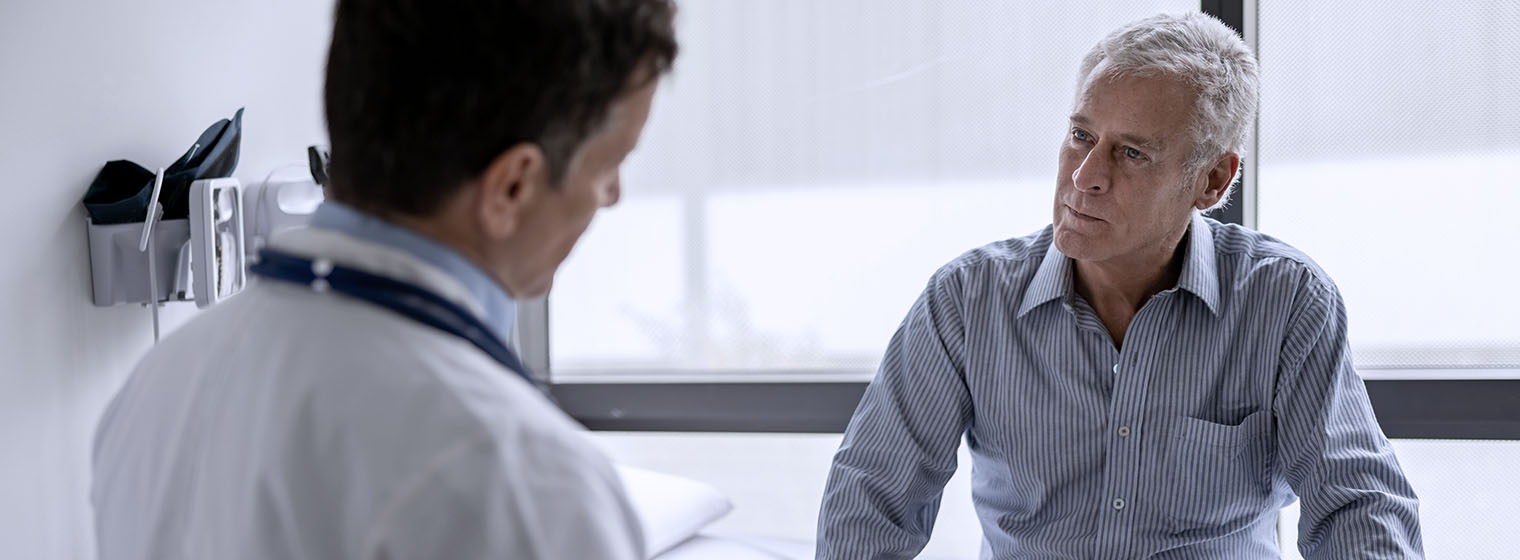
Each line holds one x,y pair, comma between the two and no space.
547,500
1356,502
884,486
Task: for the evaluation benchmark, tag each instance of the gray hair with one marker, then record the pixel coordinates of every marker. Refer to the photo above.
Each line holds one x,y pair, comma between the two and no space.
1204,53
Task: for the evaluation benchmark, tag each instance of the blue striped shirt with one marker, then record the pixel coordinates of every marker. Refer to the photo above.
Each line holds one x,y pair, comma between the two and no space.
1232,392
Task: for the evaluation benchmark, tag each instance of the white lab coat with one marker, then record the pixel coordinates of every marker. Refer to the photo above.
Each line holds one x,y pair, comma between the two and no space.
291,424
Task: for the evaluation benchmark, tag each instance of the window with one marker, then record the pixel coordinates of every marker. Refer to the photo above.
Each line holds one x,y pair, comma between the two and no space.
806,169
1387,137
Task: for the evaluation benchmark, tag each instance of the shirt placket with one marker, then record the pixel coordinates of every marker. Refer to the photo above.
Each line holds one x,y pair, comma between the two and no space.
1122,496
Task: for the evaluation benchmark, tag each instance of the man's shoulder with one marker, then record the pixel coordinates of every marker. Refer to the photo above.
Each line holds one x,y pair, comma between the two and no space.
1008,258
1245,254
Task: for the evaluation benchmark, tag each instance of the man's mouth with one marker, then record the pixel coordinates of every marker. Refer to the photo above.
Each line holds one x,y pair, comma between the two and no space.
1082,216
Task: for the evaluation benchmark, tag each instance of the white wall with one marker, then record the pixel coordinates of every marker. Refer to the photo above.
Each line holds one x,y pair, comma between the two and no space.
83,82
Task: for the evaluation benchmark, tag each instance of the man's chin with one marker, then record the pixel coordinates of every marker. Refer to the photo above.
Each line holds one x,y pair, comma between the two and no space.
1076,245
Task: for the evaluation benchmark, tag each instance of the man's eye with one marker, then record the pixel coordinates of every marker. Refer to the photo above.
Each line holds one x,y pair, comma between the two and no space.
1080,135
1132,153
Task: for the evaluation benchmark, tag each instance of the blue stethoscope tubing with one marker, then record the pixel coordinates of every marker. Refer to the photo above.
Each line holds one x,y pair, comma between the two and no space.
400,297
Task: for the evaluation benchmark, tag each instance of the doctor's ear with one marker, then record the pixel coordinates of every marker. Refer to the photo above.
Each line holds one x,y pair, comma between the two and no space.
510,185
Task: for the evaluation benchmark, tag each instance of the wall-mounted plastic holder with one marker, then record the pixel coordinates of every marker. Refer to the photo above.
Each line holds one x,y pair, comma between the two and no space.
119,271
198,259
276,206
216,240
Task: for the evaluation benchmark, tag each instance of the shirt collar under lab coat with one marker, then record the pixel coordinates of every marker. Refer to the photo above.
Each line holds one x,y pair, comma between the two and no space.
500,310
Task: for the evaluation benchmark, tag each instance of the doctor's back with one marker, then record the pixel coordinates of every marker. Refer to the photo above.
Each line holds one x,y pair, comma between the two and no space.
357,401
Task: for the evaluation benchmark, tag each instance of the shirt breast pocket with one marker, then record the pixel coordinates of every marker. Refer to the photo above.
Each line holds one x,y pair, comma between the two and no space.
1217,473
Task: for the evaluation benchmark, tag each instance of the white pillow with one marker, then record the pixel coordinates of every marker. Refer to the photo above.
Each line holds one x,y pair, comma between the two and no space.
672,509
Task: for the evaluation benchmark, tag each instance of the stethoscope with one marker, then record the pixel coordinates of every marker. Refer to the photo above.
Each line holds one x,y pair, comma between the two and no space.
405,299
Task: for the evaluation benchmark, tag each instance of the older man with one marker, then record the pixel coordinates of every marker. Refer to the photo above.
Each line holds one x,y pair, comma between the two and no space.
1135,380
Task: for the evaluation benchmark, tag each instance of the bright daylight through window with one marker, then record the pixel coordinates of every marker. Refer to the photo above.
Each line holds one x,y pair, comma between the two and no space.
806,169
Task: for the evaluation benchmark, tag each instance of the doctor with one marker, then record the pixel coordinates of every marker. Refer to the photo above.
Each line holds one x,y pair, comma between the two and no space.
358,401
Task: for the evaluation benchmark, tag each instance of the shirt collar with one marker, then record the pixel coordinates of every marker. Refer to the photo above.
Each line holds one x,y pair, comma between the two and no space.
1051,281
500,310
1200,275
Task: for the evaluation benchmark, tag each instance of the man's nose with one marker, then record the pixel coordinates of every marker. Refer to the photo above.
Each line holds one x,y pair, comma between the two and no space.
1093,175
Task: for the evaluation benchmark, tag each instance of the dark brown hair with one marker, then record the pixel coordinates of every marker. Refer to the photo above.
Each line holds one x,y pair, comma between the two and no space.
422,95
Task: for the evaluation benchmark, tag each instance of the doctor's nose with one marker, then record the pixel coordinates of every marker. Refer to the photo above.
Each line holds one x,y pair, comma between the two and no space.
613,193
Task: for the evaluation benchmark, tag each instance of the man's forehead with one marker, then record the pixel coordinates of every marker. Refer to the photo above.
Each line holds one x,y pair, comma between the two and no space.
1152,109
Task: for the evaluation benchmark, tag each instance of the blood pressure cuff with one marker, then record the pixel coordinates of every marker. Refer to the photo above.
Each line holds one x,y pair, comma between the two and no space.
119,194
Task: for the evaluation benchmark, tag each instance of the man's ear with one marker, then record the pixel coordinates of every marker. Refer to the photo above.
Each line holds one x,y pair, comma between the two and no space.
510,185
1217,179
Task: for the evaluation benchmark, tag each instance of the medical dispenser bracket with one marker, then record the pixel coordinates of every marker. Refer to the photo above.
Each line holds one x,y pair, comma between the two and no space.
275,206
198,259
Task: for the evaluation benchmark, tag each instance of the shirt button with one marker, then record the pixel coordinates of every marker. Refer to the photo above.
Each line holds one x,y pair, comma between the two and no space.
1116,369
1123,431
1118,503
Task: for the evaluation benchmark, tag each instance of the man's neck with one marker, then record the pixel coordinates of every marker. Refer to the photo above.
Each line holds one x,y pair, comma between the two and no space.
1117,289
437,231
429,246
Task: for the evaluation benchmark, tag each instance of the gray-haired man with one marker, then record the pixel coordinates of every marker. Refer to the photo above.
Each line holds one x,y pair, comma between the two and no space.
1135,380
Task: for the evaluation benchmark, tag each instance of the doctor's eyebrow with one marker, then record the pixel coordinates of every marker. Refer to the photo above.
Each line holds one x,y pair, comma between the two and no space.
1131,139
